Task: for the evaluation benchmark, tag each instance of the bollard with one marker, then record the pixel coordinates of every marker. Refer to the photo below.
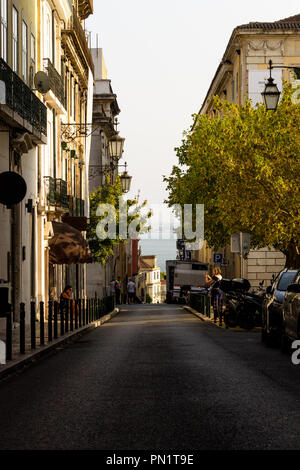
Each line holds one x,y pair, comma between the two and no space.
80,305
71,314
22,328
55,320
67,316
87,311
8,334
83,312
32,325
62,319
50,321
76,313
42,324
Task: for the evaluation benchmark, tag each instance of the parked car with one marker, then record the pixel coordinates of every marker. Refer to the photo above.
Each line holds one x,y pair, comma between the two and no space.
291,314
272,317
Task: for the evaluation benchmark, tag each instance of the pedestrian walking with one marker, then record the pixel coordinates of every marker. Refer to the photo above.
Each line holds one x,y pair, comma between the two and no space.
118,291
216,293
131,291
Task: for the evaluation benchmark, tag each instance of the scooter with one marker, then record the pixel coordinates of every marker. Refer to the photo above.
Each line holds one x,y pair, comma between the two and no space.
240,306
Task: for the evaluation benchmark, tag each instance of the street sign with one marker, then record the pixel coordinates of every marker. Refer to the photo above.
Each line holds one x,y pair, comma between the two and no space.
218,258
245,242
240,242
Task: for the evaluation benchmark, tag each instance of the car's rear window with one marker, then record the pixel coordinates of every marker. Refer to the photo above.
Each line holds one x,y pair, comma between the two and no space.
286,279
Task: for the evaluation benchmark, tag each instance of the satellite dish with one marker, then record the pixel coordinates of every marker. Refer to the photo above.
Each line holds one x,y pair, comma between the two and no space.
13,188
42,82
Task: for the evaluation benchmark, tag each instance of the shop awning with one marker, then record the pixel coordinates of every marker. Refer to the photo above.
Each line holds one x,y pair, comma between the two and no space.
67,246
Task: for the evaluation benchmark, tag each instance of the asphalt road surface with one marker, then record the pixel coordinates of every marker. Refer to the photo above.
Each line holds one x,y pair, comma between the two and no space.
155,378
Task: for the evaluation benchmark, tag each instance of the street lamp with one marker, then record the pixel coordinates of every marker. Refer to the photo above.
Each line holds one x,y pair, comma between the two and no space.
124,177
116,144
271,93
125,180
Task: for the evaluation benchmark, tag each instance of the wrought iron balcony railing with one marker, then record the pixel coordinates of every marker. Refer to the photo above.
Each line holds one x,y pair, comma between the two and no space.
22,100
56,192
62,193
56,81
76,206
79,207
49,183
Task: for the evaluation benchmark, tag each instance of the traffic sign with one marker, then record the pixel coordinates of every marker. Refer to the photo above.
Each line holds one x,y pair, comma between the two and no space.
218,258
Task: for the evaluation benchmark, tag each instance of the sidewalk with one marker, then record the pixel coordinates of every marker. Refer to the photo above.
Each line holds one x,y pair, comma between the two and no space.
207,319
20,361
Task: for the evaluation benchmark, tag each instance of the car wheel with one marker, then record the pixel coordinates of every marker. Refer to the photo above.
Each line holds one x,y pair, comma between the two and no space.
270,340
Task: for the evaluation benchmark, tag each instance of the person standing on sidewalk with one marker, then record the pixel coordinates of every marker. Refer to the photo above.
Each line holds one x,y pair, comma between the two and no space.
216,294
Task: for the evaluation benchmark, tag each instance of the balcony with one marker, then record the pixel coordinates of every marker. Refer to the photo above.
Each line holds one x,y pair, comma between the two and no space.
56,82
79,207
75,31
76,206
56,192
22,108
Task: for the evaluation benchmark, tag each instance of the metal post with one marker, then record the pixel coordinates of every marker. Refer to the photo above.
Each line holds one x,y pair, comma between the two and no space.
42,324
71,314
22,328
8,334
62,324
76,313
55,319
80,305
83,311
67,316
50,321
32,325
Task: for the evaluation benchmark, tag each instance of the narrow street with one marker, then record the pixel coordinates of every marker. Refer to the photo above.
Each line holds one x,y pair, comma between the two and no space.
155,377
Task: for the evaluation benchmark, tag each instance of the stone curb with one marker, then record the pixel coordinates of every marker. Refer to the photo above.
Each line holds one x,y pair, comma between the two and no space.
198,314
204,318
30,358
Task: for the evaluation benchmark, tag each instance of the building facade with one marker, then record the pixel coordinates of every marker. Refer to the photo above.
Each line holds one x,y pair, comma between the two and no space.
148,280
45,138
103,165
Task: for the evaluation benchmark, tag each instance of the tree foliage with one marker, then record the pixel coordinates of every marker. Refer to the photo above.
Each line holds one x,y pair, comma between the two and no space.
110,193
244,166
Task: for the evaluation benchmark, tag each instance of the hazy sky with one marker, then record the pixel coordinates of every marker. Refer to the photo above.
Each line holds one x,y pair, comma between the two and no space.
161,56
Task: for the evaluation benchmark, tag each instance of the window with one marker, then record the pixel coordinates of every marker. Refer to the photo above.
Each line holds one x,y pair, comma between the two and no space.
24,52
66,87
232,90
286,279
32,51
15,39
4,29
75,100
71,94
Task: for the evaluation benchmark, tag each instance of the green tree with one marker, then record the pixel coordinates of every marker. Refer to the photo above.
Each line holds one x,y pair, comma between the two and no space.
244,166
110,193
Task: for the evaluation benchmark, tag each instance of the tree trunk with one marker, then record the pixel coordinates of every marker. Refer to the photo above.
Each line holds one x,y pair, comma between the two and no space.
292,256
